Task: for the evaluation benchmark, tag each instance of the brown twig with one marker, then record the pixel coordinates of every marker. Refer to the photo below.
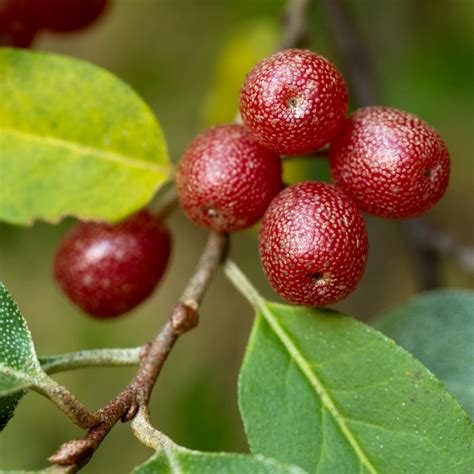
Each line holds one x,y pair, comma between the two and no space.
76,453
295,33
359,68
353,52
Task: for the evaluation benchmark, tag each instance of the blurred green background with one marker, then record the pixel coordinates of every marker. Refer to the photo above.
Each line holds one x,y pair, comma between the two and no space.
186,57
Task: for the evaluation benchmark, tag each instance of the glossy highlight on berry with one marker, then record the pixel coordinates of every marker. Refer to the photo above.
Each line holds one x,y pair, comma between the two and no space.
391,162
108,269
294,101
313,244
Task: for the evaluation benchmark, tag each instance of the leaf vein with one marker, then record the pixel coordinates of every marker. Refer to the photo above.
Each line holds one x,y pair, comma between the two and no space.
380,383
343,355
76,147
321,450
388,430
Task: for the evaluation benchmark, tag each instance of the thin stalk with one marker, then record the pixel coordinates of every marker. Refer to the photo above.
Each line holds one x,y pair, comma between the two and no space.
91,358
243,284
66,402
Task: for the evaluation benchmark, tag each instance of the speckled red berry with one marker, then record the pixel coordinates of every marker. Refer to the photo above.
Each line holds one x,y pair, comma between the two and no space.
392,163
109,269
313,244
17,23
226,180
67,15
294,101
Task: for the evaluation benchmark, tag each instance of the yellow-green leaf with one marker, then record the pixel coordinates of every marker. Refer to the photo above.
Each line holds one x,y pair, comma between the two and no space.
244,48
74,140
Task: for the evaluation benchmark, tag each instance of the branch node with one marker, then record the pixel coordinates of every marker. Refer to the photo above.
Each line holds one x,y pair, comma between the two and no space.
185,316
144,351
130,413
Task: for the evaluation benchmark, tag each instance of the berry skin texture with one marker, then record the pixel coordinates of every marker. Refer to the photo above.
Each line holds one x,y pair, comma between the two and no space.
392,163
294,101
313,244
226,180
109,269
67,15
17,23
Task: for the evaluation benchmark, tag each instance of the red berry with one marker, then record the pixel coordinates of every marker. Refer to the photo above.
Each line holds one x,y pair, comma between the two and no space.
17,23
313,244
226,180
109,269
392,163
294,101
67,15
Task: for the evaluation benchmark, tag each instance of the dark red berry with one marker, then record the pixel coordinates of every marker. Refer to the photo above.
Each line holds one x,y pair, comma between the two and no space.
294,101
313,244
226,180
109,269
17,23
392,163
67,15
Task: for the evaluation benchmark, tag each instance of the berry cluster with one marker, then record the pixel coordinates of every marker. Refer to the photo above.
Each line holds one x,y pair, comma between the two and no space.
313,240
20,20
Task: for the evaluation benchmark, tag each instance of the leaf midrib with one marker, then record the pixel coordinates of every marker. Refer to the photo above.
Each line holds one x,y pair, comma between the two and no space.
107,155
314,381
173,460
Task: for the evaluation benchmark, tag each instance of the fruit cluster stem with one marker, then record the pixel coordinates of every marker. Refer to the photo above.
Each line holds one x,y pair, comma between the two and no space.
76,453
66,402
91,358
147,434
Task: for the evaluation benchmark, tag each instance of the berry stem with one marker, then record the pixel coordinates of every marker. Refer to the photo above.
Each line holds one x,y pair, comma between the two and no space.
148,434
243,285
91,358
66,402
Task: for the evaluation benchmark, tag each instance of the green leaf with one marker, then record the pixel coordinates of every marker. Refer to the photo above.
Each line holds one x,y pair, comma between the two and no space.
19,366
180,460
171,458
8,404
74,140
438,328
323,391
